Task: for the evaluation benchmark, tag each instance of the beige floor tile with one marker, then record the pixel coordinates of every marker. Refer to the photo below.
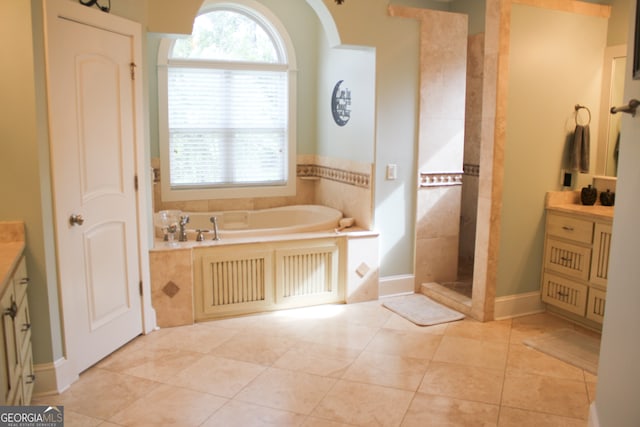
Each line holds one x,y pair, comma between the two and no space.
591,390
73,419
399,323
319,422
392,371
317,359
160,365
337,333
364,404
240,414
371,314
527,359
511,417
435,411
253,347
589,377
217,375
333,366
472,352
100,393
545,394
484,331
197,338
534,325
169,406
463,382
297,392
405,344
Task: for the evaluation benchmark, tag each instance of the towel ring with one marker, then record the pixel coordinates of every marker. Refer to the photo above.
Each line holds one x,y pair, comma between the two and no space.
581,107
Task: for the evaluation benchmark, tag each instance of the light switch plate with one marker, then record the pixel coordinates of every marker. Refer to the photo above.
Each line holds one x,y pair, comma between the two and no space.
392,171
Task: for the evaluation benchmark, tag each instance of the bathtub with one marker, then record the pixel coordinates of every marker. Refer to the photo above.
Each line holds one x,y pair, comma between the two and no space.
264,222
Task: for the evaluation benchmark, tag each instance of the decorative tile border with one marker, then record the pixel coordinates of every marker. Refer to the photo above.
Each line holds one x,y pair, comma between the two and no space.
441,179
471,169
346,177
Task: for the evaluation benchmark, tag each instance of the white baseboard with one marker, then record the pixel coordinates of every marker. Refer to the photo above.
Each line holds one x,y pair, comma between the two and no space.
53,378
397,285
593,415
518,305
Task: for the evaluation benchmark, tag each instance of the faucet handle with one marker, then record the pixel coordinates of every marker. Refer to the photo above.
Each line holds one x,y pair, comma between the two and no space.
200,235
184,219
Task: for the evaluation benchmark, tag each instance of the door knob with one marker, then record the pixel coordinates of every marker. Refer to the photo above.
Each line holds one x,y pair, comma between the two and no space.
76,219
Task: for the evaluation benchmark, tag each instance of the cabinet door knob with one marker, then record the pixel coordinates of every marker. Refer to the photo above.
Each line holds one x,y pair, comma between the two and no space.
31,379
24,281
567,228
26,327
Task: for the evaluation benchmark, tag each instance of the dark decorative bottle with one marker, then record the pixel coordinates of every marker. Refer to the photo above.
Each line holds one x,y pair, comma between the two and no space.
588,195
607,198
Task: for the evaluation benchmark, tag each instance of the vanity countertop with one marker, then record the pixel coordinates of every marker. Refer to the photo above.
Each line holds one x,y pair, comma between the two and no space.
11,248
569,202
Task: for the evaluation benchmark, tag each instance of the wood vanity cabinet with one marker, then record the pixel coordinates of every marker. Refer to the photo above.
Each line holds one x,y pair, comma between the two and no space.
16,363
576,264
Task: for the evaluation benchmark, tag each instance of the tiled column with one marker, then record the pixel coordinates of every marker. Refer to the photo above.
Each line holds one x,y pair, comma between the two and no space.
443,65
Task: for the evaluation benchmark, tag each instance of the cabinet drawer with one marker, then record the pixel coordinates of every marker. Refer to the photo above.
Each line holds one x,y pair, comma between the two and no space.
564,293
572,260
595,305
575,229
22,323
28,377
20,280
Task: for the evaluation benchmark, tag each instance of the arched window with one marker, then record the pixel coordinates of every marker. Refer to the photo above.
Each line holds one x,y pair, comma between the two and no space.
226,107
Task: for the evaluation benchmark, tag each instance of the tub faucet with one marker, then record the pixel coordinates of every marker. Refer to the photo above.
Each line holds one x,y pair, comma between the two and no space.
184,219
214,221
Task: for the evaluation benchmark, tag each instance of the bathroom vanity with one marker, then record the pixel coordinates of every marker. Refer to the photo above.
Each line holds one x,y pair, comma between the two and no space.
16,364
576,258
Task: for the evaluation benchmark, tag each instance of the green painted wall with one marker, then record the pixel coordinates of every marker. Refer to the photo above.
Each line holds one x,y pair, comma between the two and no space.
555,62
24,167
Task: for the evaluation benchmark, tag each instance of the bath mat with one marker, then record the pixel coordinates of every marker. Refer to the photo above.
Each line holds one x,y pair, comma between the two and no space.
421,310
570,346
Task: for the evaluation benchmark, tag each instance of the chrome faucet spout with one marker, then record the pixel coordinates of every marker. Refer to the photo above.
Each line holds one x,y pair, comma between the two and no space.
214,221
184,219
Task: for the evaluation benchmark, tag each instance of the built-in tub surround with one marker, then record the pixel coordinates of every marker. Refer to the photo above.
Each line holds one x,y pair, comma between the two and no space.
340,184
256,270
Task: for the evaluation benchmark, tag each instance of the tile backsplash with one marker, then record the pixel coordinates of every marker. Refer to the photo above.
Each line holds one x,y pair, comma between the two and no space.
341,184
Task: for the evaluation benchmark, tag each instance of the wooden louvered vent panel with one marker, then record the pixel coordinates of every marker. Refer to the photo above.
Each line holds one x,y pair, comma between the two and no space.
600,261
595,307
569,259
237,281
307,274
564,293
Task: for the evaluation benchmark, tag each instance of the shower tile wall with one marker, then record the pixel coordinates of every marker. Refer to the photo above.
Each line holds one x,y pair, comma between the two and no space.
472,137
443,59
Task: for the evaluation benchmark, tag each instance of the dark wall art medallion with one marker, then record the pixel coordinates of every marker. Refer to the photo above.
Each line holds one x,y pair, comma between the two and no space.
341,104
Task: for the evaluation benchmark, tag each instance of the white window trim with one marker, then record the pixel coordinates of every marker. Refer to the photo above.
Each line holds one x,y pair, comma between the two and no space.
289,189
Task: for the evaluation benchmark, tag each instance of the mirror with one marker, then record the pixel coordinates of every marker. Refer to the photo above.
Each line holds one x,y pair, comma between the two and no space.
615,60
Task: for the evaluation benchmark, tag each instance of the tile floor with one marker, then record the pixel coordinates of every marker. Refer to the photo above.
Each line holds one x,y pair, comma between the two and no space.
336,365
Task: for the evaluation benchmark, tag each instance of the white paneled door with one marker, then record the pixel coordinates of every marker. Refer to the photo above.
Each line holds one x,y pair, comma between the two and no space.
90,76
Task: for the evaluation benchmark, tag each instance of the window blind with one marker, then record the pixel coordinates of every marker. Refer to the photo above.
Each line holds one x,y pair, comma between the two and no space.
227,127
